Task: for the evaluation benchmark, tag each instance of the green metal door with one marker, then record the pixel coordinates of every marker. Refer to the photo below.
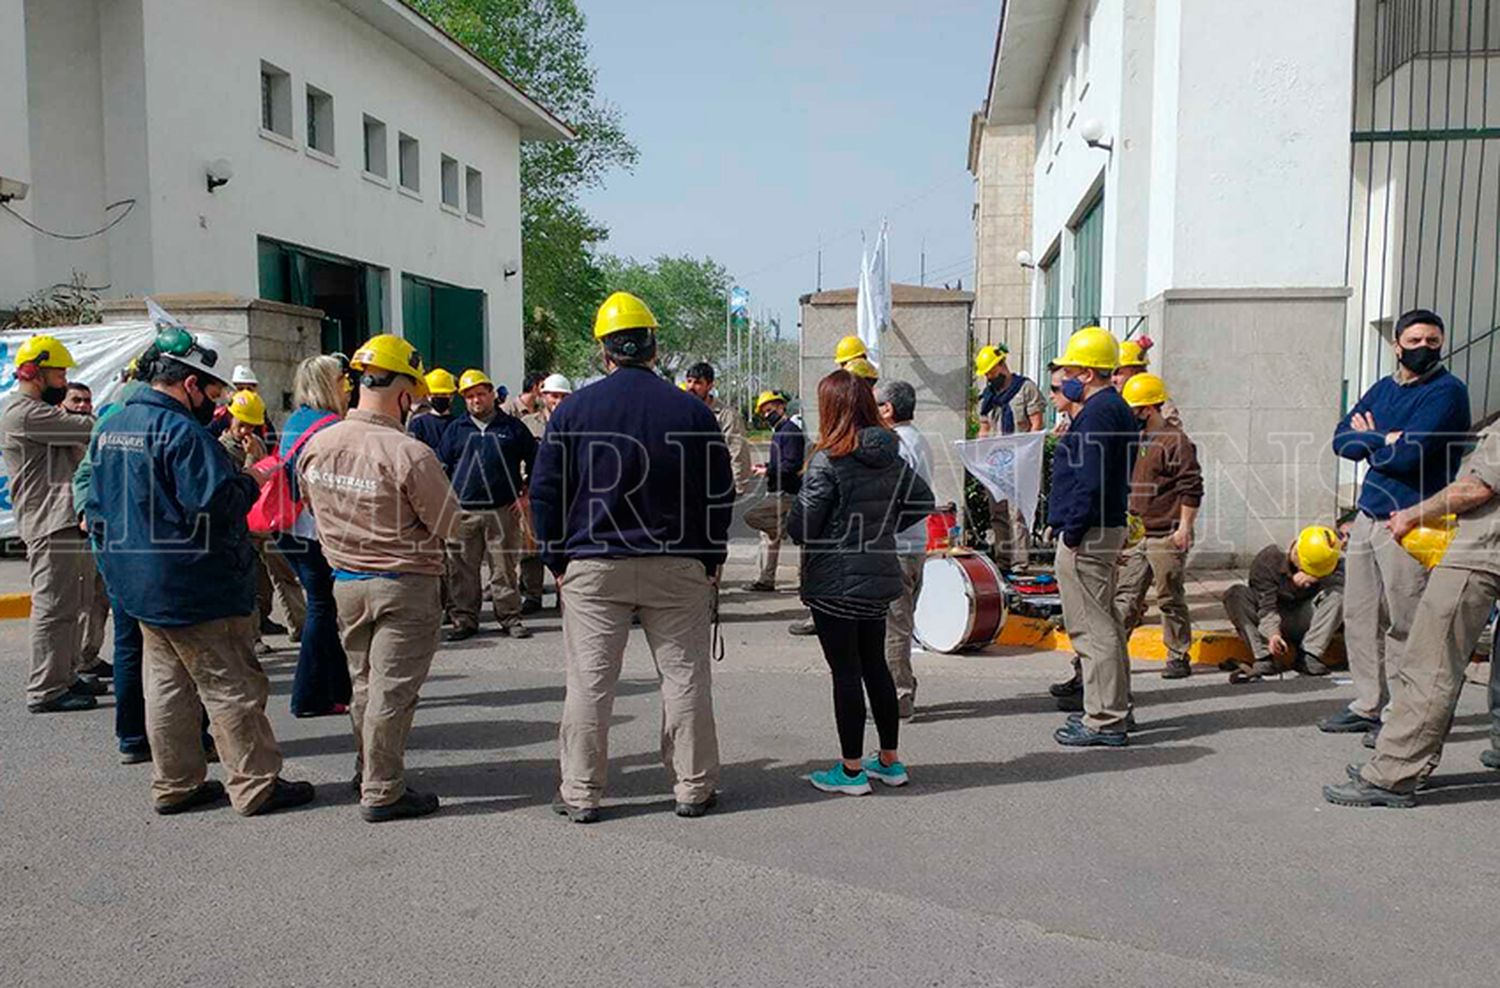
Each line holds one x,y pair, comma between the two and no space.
445,323
1088,264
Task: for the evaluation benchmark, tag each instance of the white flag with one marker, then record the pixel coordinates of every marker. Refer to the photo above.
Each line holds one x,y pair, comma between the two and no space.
1010,468
872,311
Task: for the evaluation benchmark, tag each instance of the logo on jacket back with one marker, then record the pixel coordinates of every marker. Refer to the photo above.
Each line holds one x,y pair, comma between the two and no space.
342,482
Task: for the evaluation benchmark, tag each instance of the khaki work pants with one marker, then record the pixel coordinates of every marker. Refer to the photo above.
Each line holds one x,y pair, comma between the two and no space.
899,621
1010,539
1087,578
495,533
58,563
94,615
1426,683
1156,564
674,599
769,519
533,573
1308,627
275,578
209,666
1382,585
390,632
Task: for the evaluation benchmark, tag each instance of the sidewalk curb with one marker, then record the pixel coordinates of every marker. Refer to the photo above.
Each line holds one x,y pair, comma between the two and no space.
1209,648
15,606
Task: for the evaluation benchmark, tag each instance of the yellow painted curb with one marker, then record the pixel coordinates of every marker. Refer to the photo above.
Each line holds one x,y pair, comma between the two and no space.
15,606
1209,647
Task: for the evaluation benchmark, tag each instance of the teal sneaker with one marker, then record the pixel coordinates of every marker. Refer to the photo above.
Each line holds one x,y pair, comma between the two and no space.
835,780
893,774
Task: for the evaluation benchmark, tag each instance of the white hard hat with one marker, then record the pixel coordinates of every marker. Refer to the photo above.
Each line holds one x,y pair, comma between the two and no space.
205,355
557,384
244,375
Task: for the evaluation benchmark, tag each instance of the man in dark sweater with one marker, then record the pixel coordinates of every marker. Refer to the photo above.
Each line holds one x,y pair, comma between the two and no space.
1292,605
1410,430
631,500
783,473
1091,471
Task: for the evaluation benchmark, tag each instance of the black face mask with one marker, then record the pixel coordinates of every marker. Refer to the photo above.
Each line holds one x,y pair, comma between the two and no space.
204,411
53,396
1419,360
442,404
772,418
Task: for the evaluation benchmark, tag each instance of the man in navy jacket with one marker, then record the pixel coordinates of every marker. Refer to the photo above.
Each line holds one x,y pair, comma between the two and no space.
488,455
166,511
1410,430
631,500
1086,508
783,473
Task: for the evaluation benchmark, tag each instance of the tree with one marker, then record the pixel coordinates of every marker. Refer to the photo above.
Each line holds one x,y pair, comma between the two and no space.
687,297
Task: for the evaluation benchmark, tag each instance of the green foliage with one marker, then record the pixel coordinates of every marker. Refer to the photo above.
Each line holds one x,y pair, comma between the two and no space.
687,297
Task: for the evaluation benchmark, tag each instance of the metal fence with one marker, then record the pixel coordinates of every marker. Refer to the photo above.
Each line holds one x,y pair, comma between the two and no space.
1039,339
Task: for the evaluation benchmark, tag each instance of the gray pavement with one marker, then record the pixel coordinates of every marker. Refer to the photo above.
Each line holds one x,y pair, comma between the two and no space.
1203,855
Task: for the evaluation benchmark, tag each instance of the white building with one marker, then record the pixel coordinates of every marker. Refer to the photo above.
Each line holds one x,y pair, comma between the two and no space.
1224,177
373,163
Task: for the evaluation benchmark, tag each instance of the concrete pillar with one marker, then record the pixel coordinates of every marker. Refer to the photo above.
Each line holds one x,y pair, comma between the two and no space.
17,260
1001,161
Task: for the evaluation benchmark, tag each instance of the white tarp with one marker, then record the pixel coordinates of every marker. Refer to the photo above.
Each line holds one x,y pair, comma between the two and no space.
1010,468
872,308
101,352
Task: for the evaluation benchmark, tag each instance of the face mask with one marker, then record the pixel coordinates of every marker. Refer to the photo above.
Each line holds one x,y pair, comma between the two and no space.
441,404
772,417
1420,360
1073,389
54,396
203,411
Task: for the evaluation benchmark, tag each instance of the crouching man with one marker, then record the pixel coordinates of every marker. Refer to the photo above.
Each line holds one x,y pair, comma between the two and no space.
1292,607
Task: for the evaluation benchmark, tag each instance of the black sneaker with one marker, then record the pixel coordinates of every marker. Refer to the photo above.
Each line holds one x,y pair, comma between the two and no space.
1363,794
1068,687
760,586
86,685
1309,665
1347,721
284,796
531,605
411,804
64,703
99,669
459,634
206,794
694,810
576,814
135,756
1177,669
1073,735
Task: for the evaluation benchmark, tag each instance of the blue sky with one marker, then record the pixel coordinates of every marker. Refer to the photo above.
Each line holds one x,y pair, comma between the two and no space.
765,124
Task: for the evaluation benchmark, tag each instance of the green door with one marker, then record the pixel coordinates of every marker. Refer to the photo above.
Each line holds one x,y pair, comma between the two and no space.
1088,265
445,323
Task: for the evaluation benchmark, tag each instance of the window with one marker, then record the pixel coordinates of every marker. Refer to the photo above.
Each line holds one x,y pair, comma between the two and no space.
474,192
375,147
409,162
450,182
275,100
319,120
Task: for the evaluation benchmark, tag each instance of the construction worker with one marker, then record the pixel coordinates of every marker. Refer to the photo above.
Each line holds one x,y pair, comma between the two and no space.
783,473
1166,491
43,444
700,382
488,454
862,368
1409,431
243,379
1292,606
554,389
1091,471
1135,359
527,403
1009,403
1456,532
434,412
632,499
166,511
847,349
897,401
95,614
530,406
384,508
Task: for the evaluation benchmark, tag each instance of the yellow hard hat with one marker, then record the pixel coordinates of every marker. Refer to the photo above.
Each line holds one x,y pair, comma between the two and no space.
681,385
1135,530
473,377
441,382
44,351
1318,551
849,348
248,407
860,367
1145,389
765,398
1427,544
988,358
388,353
1091,347
622,311
1133,353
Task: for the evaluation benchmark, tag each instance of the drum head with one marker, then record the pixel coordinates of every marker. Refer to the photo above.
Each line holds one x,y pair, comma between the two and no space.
945,610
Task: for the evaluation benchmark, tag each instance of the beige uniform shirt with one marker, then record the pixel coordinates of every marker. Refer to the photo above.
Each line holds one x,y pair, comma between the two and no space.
1477,544
42,446
382,501
732,424
1026,402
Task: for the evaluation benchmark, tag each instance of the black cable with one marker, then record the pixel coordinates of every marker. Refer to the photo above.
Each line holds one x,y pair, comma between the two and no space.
129,205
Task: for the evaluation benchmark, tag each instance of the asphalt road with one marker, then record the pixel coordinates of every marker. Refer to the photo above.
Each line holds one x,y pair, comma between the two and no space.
1202,855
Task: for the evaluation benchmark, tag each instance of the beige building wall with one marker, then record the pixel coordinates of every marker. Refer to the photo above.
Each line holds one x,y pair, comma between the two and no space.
1001,158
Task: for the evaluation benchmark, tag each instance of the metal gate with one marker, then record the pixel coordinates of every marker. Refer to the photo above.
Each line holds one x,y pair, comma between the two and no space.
1424,217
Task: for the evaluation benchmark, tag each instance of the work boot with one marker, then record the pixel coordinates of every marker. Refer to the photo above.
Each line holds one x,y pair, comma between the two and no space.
514,628
459,634
1353,771
411,804
1347,721
1068,687
64,703
1071,704
100,670
531,605
1077,735
206,794
1490,758
1363,794
1129,720
576,814
802,626
284,796
87,685
1309,665
760,586
269,627
135,756
1177,669
692,811
1371,738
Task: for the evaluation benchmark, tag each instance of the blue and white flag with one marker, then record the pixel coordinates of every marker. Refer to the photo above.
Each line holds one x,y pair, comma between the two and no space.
1009,467
739,302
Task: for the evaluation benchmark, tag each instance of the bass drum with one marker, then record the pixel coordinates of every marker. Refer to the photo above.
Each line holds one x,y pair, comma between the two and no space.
962,605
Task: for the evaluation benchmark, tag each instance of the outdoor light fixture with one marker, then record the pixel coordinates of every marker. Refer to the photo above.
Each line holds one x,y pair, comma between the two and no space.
220,171
1024,258
13,189
1092,132
511,269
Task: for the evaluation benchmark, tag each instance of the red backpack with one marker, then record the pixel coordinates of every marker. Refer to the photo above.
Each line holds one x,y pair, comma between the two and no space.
276,510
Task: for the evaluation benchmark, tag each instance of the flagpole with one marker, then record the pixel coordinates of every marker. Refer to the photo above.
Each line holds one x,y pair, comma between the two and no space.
728,293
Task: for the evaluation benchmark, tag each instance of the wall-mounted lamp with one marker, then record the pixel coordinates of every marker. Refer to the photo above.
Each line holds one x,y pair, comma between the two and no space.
1024,258
220,171
511,269
1092,132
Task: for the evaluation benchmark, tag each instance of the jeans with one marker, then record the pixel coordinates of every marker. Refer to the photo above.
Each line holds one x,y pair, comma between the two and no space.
855,652
322,676
130,700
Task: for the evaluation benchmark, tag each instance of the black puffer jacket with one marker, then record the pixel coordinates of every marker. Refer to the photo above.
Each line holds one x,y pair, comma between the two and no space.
846,517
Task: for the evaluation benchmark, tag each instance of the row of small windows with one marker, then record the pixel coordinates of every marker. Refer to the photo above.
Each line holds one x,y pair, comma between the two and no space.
276,118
